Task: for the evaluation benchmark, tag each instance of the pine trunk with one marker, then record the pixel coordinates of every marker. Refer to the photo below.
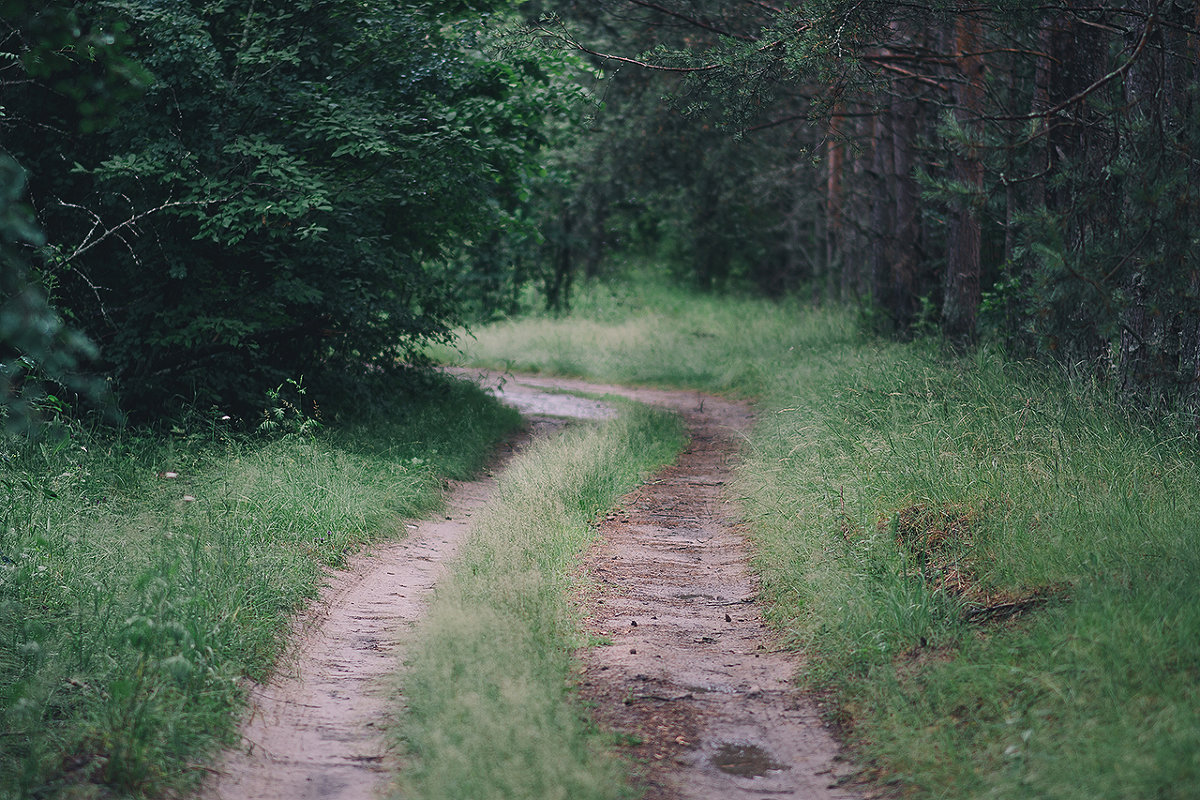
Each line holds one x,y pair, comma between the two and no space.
965,238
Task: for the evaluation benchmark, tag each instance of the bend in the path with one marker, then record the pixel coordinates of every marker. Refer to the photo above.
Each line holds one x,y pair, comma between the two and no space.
697,678
692,673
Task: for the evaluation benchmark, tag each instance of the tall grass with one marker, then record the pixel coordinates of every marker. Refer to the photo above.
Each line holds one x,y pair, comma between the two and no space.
488,712
143,576
994,572
1090,694
651,334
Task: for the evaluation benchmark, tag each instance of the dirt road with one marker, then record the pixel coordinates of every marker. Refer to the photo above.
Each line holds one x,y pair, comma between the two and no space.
691,673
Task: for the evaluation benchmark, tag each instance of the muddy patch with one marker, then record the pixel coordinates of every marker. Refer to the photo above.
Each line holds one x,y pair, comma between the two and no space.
745,760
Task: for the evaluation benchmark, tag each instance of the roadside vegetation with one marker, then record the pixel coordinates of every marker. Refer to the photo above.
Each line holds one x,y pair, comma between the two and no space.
202,198
991,569
488,711
145,574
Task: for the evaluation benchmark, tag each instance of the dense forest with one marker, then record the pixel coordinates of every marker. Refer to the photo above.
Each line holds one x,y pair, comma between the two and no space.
202,199
1017,172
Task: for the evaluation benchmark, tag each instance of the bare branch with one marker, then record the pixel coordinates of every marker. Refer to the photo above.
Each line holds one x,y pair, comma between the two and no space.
90,240
909,74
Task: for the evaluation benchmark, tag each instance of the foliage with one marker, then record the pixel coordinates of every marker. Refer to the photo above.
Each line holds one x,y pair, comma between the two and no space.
35,343
723,213
87,72
282,197
941,153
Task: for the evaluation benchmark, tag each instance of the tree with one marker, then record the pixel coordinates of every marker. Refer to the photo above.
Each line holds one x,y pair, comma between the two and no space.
88,72
1049,145
284,197
35,345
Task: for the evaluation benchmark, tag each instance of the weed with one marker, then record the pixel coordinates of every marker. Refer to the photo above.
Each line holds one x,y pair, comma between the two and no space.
285,411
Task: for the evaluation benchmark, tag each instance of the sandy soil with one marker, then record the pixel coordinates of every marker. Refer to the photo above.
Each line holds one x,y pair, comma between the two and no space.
315,731
691,674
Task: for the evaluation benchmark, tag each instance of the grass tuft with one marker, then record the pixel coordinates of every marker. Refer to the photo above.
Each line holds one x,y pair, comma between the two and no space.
489,710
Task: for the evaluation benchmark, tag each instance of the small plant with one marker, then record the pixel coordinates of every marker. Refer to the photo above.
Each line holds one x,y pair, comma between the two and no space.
285,413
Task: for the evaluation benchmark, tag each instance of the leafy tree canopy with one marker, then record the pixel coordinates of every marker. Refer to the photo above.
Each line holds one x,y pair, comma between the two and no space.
277,198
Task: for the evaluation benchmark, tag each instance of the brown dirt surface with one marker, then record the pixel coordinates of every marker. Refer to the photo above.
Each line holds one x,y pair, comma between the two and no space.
315,731
691,675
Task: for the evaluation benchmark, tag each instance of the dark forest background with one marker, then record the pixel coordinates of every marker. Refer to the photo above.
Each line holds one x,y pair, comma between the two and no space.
200,199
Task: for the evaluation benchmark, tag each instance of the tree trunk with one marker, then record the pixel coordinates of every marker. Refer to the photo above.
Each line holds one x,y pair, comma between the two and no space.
882,211
558,283
905,196
835,159
964,238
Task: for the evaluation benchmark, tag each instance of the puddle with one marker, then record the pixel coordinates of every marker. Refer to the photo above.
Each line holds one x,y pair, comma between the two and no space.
745,761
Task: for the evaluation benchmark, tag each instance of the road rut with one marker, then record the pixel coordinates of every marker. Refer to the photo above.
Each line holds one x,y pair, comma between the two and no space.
690,673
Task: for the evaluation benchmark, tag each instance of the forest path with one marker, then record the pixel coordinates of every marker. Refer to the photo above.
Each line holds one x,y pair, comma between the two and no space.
691,672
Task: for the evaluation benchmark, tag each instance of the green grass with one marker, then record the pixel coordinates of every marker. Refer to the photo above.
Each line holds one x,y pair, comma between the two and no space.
489,713
652,335
130,614
894,490
1091,695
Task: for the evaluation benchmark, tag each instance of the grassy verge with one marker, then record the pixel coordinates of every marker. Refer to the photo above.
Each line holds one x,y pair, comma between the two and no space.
488,710
651,335
143,576
995,573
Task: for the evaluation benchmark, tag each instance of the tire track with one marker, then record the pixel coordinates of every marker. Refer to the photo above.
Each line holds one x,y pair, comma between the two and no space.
690,673
702,690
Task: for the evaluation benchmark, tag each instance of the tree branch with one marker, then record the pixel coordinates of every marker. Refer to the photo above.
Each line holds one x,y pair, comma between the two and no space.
572,43
1151,21
699,23
89,242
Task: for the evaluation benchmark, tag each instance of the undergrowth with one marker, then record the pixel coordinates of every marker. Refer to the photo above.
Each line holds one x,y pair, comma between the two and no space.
994,572
144,575
488,711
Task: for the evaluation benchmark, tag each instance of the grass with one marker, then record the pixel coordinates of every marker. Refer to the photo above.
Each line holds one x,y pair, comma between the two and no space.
143,577
1091,693
994,572
489,712
651,335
